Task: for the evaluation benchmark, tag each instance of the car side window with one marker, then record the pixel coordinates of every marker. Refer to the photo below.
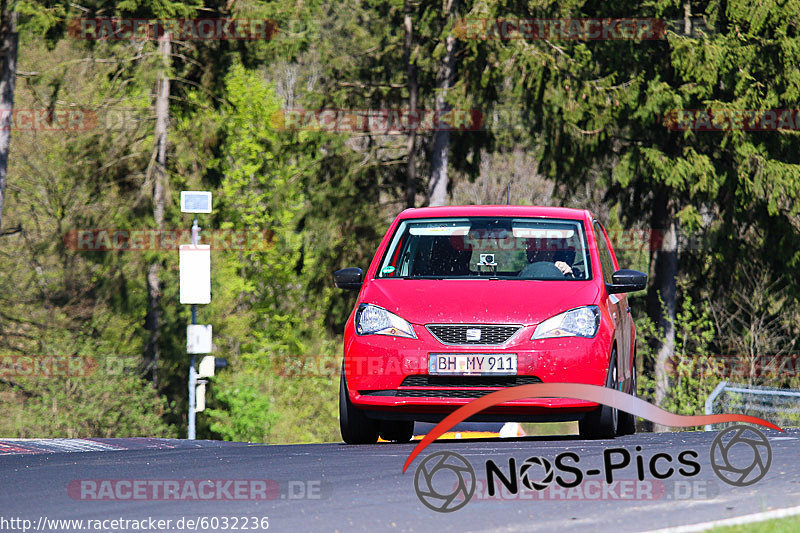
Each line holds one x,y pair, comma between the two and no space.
606,263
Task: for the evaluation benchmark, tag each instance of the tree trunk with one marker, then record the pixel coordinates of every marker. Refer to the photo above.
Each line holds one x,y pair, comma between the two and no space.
437,186
687,19
661,296
9,39
413,93
153,318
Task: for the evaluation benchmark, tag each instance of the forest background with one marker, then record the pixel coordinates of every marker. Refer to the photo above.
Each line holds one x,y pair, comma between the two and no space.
125,124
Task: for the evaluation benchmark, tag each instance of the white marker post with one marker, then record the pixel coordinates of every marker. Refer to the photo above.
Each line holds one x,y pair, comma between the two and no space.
195,288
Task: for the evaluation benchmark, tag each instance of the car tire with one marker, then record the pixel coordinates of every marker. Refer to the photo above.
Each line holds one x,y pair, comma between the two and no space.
396,431
627,421
602,423
355,426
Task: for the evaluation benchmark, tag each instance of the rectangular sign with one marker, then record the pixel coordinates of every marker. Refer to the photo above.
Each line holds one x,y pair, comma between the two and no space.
472,364
195,201
200,398
195,273
198,340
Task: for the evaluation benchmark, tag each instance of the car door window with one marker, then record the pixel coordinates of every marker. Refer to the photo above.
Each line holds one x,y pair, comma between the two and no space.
606,262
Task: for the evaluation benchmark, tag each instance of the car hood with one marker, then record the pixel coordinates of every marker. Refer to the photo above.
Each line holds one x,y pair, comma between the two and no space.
526,302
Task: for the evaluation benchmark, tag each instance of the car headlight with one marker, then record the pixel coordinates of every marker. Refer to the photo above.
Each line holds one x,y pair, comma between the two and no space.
580,322
374,320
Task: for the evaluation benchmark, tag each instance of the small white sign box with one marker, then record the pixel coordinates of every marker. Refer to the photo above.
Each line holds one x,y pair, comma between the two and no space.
206,367
200,398
198,338
195,273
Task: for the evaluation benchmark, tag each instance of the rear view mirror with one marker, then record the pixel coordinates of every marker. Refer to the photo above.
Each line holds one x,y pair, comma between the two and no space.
627,281
348,278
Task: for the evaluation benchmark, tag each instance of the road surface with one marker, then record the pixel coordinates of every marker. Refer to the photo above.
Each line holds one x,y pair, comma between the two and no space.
334,487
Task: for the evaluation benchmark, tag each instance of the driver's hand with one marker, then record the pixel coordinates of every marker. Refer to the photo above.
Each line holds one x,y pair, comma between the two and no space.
564,268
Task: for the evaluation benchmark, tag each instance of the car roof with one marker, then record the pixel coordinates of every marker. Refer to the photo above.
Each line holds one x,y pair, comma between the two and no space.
497,210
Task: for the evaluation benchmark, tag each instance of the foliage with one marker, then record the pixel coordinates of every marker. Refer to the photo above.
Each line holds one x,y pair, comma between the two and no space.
262,190
693,373
569,122
260,403
100,405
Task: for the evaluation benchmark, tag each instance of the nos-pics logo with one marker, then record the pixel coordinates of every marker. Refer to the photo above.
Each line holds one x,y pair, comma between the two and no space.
445,481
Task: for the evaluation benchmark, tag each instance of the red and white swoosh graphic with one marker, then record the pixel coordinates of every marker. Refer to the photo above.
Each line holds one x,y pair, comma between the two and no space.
590,393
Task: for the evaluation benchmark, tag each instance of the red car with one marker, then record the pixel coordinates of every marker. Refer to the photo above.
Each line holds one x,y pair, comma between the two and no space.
462,301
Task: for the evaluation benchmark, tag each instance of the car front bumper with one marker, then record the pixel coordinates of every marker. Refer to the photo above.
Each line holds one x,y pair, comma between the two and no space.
376,366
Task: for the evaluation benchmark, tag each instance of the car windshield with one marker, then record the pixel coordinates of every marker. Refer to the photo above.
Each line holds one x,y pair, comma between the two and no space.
488,247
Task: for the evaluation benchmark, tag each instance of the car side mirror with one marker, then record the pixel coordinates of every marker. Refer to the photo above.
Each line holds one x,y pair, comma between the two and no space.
348,278
626,281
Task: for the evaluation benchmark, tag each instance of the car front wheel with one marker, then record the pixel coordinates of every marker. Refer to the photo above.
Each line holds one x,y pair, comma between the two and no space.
602,423
355,426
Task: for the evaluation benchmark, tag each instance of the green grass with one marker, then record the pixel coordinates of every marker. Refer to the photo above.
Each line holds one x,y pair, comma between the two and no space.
779,525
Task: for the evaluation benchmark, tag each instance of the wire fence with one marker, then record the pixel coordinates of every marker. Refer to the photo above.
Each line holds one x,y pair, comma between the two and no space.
779,406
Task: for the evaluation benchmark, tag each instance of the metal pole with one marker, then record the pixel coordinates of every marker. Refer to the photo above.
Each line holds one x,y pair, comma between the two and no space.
195,232
710,400
192,371
192,387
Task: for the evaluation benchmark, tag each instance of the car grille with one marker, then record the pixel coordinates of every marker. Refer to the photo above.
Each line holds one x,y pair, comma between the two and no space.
468,386
443,393
457,333
468,381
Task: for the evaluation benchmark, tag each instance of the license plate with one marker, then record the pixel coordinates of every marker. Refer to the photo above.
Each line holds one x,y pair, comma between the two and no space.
466,364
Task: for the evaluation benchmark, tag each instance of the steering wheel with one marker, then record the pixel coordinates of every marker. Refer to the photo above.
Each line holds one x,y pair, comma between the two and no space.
543,270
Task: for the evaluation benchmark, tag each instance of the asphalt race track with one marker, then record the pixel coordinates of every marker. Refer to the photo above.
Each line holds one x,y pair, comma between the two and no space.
334,487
